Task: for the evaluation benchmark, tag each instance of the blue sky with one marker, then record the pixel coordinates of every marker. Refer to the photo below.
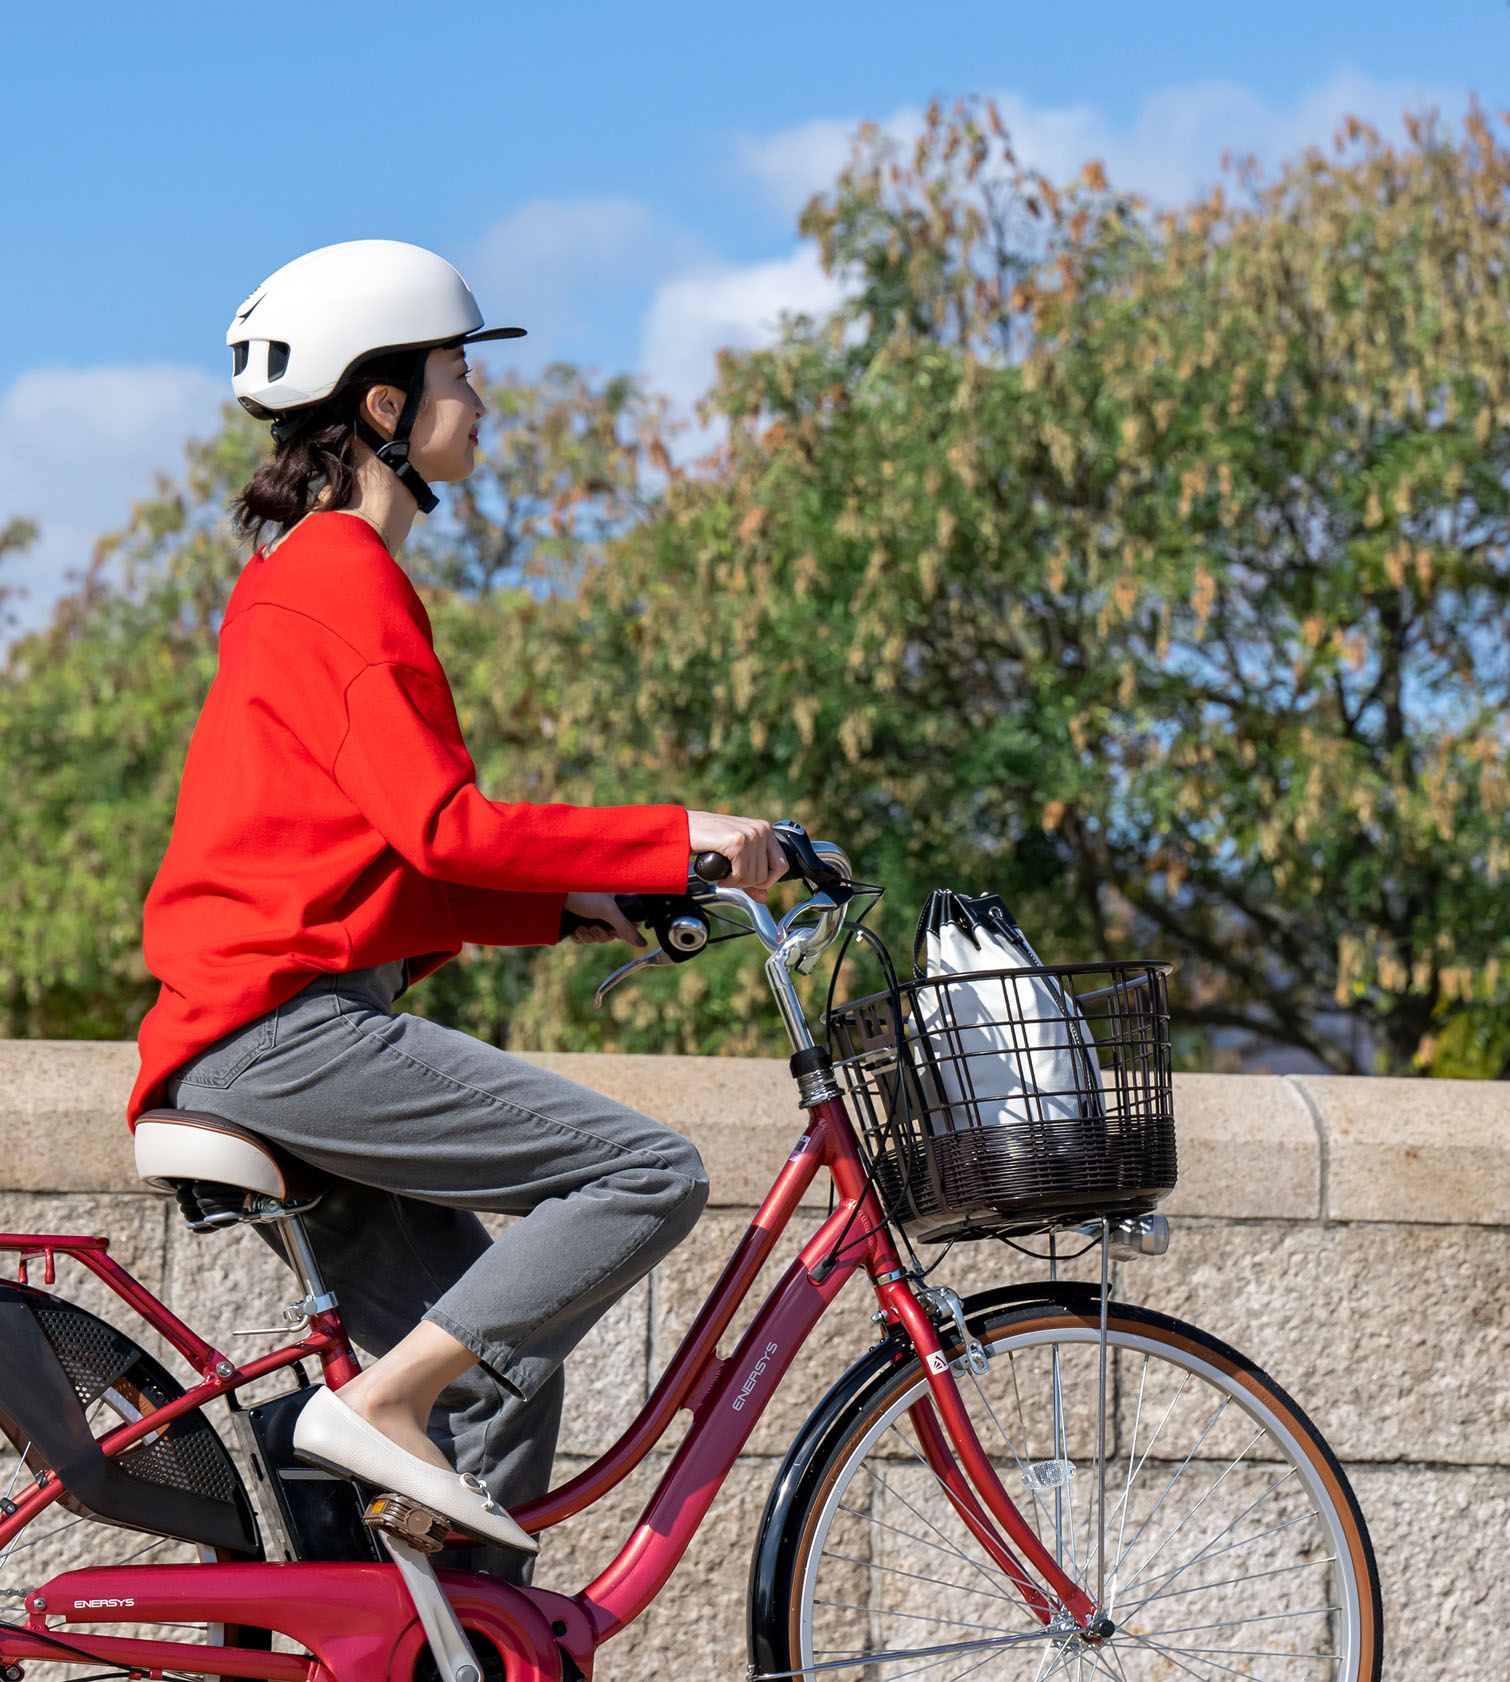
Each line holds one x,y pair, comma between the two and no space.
623,181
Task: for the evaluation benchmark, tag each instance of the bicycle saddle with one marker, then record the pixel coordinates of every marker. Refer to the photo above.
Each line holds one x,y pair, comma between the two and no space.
210,1164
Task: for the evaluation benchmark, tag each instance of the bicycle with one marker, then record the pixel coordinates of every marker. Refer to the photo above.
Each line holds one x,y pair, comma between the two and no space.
1176,1513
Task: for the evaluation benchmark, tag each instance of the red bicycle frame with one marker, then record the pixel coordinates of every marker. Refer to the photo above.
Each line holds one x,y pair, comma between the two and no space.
356,1619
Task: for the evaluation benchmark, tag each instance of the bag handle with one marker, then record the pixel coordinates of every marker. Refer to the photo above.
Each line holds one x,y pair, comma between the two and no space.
969,914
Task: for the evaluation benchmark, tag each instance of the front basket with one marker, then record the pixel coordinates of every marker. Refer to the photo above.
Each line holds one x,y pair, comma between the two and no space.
1015,1100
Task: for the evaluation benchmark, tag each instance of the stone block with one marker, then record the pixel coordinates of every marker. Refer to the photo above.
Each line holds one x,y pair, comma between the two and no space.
1440,1540
137,1229
1247,1147
1394,1339
63,1115
605,1376
1414,1150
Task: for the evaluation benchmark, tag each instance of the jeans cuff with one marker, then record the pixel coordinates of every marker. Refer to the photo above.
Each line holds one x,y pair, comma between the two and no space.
497,1357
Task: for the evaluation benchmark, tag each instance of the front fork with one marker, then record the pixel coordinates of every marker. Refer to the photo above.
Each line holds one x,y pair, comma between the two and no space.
945,1430
941,1419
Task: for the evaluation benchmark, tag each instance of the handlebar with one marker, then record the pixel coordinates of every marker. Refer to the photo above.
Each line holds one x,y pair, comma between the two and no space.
680,921
804,863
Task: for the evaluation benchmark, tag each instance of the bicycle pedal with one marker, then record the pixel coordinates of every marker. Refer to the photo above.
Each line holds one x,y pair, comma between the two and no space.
424,1530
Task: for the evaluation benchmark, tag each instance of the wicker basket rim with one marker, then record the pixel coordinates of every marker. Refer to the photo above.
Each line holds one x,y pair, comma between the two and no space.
915,984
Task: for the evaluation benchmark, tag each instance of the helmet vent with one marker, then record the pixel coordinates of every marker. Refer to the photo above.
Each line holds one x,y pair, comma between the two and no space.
277,359
238,357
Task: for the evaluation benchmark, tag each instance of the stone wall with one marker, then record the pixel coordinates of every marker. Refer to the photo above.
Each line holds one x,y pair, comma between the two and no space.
1349,1235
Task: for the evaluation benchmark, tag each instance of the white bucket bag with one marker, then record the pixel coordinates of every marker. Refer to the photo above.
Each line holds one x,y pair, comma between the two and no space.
1009,1051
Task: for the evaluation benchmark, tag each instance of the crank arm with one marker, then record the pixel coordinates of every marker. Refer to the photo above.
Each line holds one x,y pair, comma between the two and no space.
454,1658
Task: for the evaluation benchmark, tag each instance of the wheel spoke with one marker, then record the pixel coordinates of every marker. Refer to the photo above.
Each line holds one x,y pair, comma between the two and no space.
10,1488
897,1571
1127,1483
1226,1528
897,1495
1179,1472
1206,1656
1278,1484
912,1617
897,1530
1227,1583
1011,1446
821,1659
1208,1552
1258,1436
1132,1476
22,1541
1233,1623
1027,1447
992,1574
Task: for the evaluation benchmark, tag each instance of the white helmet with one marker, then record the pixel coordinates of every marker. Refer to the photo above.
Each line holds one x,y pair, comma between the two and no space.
304,329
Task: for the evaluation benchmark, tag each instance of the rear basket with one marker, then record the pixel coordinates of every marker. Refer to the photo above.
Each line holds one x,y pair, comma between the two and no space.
1034,1098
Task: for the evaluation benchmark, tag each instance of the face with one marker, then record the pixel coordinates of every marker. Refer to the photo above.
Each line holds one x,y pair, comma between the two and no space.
443,443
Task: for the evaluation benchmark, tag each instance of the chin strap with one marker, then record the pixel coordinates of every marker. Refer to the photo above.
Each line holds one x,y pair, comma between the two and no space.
394,452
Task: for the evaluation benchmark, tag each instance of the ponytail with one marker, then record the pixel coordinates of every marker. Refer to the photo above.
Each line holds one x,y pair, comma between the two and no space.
283,490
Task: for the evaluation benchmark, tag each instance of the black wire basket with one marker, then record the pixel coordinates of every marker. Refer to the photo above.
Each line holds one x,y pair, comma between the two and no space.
1012,1101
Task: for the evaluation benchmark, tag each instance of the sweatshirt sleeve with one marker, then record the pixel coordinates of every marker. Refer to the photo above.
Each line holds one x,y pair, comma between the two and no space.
403,764
496,917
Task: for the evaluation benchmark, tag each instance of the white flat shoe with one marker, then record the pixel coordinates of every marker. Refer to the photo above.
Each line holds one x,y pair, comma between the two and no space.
328,1433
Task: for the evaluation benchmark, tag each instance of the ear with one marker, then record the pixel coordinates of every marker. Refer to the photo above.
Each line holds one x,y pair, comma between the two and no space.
382,406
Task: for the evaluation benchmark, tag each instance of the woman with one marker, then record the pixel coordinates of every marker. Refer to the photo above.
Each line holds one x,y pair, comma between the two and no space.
330,846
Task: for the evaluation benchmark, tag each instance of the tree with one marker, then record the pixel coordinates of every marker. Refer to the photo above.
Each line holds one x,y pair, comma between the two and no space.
1148,569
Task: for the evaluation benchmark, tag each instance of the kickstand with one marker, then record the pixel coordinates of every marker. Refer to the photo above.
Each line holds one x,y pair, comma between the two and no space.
454,1659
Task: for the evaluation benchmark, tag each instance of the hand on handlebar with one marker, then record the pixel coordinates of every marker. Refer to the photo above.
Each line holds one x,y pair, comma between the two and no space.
745,853
756,858
605,921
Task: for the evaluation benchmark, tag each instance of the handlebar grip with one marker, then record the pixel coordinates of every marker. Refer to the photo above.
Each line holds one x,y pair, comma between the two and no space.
803,864
712,867
632,905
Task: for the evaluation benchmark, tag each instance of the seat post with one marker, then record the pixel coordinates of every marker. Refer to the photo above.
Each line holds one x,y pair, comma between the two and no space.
301,1258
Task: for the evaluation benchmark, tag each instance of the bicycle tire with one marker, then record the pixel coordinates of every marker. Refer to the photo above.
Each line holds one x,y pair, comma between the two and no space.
808,1553
131,1385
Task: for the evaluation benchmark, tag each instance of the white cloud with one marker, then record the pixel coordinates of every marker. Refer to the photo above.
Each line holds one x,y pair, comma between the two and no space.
792,164
560,267
77,447
1170,149
718,306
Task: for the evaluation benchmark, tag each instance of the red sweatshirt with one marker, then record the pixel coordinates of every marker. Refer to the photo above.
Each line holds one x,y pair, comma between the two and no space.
329,816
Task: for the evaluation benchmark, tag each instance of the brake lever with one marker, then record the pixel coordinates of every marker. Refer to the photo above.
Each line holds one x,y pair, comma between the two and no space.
624,971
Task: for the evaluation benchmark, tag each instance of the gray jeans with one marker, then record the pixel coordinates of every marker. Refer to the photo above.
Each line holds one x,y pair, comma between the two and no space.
421,1125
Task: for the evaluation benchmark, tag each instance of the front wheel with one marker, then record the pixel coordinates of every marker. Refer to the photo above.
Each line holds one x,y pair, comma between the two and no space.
1206,1513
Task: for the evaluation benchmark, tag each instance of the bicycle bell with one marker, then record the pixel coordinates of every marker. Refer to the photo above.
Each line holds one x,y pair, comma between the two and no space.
686,932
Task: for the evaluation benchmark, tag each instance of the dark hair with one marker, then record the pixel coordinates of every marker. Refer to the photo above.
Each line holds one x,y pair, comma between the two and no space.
317,452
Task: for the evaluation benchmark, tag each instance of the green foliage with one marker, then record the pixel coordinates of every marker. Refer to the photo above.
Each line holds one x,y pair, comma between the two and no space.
1149,570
